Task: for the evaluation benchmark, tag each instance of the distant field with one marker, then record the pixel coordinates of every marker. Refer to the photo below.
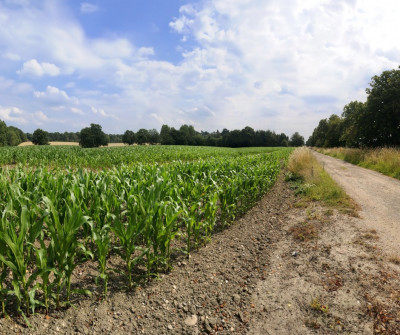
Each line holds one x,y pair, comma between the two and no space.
24,144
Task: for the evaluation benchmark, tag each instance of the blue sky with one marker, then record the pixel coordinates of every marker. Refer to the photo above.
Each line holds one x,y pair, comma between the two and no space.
130,64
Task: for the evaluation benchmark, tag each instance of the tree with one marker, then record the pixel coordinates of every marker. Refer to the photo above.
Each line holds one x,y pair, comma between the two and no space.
40,137
3,134
142,136
165,135
352,134
381,121
13,138
129,137
283,140
247,135
188,133
296,140
93,137
154,136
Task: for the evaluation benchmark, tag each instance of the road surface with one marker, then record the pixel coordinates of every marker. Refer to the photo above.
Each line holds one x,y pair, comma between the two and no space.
376,194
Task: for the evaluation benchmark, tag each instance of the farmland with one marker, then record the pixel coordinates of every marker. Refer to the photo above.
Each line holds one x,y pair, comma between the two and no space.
64,206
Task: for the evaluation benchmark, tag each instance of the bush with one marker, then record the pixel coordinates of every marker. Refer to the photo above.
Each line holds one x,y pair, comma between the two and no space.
93,137
40,137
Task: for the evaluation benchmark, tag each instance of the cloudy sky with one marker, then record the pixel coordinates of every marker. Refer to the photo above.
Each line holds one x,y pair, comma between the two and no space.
130,64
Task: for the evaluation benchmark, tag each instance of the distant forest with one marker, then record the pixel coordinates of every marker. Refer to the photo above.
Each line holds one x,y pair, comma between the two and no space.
185,135
373,123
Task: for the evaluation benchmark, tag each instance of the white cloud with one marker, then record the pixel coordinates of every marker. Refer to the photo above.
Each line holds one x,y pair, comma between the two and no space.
87,7
77,111
34,68
269,64
11,56
53,94
41,116
99,111
13,114
251,52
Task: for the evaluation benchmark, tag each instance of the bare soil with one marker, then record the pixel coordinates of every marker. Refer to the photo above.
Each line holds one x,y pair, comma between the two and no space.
281,269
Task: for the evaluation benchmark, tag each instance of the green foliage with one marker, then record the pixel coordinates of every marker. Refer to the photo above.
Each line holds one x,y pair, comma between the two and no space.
381,120
129,137
93,137
61,156
142,136
40,137
10,136
296,140
3,134
53,219
328,133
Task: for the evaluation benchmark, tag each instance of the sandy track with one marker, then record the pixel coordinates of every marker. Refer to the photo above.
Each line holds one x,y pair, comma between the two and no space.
376,194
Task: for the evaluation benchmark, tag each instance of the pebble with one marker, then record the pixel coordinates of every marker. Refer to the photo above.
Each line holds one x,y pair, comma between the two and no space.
170,327
191,321
236,298
207,327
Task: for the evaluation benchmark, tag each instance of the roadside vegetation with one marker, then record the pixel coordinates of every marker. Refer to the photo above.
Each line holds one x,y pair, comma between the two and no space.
310,179
383,160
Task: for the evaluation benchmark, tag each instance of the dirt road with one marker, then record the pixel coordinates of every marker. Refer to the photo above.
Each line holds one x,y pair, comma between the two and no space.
376,194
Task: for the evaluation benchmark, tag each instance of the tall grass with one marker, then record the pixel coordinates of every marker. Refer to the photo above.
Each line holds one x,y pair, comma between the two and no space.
311,180
384,160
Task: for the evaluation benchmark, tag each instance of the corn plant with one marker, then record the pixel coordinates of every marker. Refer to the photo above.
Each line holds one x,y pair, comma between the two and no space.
51,218
102,239
17,236
63,229
128,234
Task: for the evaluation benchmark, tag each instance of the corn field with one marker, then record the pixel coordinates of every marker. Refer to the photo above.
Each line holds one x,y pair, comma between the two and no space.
55,218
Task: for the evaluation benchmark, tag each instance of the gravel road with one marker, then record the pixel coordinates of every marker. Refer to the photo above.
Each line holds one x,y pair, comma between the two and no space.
376,194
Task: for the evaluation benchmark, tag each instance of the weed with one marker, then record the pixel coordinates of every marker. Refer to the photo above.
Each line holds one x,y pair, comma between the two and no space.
316,305
304,231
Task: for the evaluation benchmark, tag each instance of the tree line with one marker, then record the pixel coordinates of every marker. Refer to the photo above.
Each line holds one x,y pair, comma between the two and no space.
94,136
246,137
10,136
373,123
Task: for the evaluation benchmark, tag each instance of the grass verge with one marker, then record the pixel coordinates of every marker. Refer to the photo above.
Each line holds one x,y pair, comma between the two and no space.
310,179
383,160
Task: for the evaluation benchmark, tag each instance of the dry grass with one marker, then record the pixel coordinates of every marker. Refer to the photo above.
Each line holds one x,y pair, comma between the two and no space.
311,180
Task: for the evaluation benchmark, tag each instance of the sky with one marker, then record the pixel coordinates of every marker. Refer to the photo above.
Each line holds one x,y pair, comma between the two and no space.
213,64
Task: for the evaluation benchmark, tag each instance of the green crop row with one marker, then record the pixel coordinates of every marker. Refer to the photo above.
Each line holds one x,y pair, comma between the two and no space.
51,221
71,156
